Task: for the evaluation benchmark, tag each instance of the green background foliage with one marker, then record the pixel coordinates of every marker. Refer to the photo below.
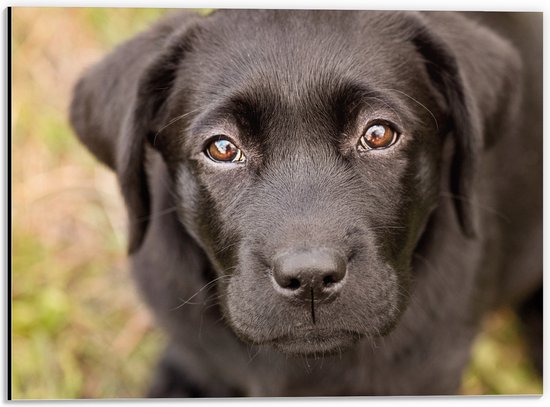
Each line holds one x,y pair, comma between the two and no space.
79,329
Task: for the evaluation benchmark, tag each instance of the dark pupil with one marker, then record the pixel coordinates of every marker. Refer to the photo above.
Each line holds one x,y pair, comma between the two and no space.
226,150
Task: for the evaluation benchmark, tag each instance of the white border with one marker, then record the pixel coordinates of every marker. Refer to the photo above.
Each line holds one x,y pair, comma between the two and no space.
496,5
504,5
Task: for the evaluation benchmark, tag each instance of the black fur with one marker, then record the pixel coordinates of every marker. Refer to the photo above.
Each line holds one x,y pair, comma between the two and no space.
431,232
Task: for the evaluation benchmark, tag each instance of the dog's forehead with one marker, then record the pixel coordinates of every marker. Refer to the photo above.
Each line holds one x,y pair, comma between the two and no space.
291,52
296,67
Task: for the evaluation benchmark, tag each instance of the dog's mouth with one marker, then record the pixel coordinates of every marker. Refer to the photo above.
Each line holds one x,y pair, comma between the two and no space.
312,342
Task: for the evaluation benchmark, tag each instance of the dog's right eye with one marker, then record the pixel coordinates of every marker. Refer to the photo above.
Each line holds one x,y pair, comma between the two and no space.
224,151
378,136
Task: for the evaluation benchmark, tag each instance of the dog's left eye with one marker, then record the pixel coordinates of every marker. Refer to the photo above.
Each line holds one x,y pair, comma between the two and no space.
224,151
378,136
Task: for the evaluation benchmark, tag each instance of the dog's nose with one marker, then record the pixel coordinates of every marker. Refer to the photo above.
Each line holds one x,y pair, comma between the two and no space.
311,273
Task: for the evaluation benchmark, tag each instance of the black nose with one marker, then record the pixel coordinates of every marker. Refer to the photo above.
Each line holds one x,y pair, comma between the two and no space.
308,273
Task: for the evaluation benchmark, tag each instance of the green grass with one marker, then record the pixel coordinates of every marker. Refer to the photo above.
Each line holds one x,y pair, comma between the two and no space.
79,329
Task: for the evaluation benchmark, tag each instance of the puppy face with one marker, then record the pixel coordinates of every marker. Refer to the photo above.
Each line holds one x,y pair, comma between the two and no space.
304,151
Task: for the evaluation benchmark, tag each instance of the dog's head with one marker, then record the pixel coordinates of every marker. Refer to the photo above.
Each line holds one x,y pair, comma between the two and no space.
305,151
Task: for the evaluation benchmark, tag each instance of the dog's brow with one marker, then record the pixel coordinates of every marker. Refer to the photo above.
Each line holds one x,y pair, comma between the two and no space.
257,103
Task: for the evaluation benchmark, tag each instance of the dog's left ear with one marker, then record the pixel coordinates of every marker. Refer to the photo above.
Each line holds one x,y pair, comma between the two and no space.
121,101
479,77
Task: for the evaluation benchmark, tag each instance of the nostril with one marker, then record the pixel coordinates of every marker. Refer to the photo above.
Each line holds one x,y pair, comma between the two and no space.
286,278
293,284
328,281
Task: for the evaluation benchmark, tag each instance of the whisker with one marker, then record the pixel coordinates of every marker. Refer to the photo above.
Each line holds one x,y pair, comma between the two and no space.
171,122
476,204
230,245
200,290
156,215
387,104
419,103
387,227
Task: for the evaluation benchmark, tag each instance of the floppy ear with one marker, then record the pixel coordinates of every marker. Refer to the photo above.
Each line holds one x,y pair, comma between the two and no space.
119,102
479,76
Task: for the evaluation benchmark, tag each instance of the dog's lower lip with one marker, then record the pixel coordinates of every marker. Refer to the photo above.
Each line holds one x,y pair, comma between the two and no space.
311,341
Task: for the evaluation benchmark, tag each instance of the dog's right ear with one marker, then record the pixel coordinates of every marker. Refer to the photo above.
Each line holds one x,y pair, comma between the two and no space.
478,73
119,102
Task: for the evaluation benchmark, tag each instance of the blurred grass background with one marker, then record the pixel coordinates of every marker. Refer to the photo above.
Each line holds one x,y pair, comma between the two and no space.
78,327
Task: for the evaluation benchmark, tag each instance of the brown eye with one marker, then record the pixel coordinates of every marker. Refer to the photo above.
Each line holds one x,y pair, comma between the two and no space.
378,136
223,150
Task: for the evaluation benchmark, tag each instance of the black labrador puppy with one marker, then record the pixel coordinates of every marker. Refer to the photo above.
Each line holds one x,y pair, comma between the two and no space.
325,202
